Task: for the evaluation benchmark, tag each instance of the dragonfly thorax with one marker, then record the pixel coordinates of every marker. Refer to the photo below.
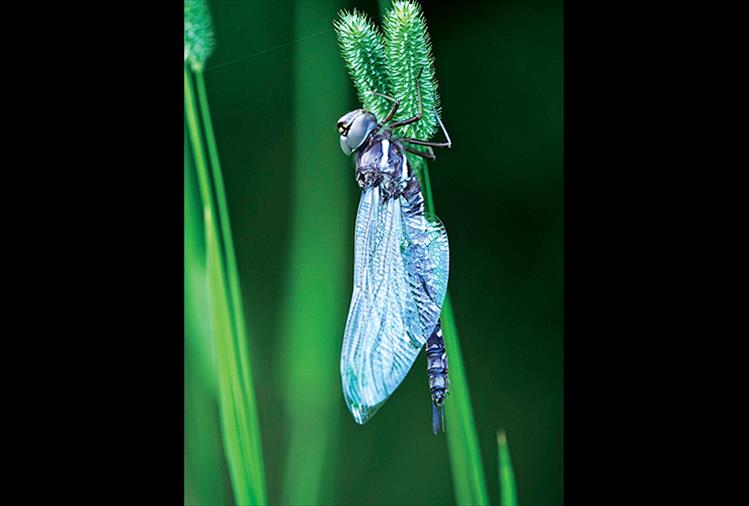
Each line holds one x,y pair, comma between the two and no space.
381,163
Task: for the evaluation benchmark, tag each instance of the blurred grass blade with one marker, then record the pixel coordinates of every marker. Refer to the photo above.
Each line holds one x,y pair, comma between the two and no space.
197,315
239,421
236,310
230,261
237,441
317,276
206,476
507,492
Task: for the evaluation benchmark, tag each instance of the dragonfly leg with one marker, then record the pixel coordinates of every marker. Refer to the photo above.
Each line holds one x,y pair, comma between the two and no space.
416,118
396,104
447,144
429,155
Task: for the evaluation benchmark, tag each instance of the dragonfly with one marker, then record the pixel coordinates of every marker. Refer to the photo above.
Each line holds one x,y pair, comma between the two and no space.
401,267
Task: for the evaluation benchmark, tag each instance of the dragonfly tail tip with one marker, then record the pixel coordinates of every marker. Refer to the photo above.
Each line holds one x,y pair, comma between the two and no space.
438,417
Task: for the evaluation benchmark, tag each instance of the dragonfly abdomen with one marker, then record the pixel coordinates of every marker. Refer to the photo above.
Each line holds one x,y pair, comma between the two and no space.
438,380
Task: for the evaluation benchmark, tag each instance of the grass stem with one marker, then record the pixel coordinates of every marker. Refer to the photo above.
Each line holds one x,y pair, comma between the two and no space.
239,422
462,440
206,475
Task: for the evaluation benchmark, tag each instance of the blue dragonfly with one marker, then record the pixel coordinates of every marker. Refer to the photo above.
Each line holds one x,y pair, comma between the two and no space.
401,268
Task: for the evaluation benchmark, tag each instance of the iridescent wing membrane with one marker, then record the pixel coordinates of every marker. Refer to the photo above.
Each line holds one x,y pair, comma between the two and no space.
400,279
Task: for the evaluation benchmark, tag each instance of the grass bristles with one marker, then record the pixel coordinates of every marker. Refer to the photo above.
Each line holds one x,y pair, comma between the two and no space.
199,41
507,492
363,52
408,56
237,405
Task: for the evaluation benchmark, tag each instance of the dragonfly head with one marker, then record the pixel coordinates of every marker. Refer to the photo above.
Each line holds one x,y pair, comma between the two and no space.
355,128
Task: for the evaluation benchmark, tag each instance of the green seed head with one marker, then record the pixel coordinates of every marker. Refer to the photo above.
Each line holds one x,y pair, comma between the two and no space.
199,41
364,54
409,57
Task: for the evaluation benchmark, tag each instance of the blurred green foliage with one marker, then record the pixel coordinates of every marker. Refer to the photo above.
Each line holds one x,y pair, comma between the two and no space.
499,192
317,277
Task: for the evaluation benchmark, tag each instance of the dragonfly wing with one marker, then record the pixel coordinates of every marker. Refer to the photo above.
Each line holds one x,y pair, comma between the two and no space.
383,334
427,259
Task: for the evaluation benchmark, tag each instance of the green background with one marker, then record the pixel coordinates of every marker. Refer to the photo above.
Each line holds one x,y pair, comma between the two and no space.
277,85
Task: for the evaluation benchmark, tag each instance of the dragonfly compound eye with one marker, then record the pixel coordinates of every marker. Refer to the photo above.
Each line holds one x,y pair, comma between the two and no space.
354,128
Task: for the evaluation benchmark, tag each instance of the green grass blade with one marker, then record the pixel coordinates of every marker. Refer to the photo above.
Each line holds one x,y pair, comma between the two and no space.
197,316
239,423
462,440
507,492
206,478
237,445
257,467
225,224
318,281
